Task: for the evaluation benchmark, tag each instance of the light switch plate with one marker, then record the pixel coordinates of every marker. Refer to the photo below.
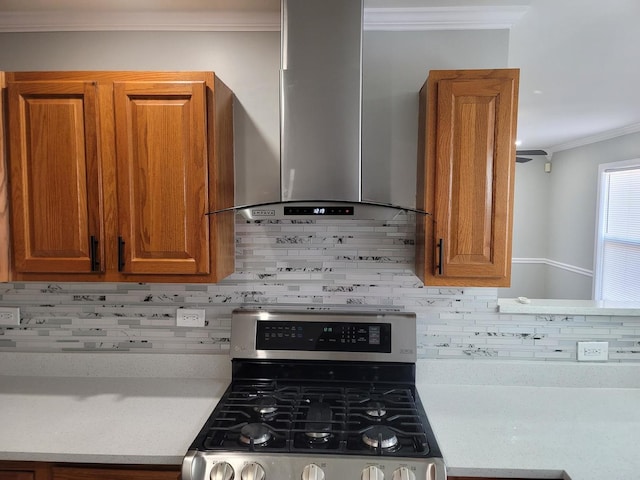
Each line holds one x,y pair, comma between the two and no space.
190,317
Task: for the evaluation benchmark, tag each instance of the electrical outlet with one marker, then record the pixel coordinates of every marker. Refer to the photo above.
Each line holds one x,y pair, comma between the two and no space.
593,351
190,317
9,316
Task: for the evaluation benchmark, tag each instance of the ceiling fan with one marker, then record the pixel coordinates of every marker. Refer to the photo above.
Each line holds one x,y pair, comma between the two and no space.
521,159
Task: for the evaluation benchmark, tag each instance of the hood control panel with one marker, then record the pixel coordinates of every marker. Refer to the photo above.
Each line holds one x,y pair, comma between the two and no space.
319,210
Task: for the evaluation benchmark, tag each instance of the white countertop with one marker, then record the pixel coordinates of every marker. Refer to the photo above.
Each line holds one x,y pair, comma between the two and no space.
546,306
536,432
103,420
483,426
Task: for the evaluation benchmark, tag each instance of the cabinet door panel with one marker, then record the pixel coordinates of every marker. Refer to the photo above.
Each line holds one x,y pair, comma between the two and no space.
115,473
162,177
55,188
16,475
469,136
474,171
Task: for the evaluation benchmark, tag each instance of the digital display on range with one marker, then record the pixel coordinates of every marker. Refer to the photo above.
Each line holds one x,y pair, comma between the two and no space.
322,336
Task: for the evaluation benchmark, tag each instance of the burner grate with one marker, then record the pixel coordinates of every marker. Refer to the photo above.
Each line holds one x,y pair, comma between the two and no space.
319,419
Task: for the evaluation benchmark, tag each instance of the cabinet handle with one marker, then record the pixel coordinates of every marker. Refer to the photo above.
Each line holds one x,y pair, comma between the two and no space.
440,248
120,254
93,253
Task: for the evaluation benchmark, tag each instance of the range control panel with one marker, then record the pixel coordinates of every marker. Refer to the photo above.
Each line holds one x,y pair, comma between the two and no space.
324,336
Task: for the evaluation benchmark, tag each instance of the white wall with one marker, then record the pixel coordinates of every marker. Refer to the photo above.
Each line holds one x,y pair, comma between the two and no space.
560,225
530,230
574,196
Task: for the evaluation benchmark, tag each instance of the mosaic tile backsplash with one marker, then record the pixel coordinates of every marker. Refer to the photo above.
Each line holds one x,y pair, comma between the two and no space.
315,264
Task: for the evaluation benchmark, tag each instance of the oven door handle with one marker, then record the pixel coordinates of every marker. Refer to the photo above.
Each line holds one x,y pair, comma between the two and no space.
193,466
431,472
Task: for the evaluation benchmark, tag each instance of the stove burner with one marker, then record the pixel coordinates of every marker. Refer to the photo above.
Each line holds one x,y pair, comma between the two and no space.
317,436
266,405
255,433
375,409
318,426
379,436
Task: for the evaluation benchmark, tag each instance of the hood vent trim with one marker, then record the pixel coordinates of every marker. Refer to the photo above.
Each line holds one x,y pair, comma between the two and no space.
359,210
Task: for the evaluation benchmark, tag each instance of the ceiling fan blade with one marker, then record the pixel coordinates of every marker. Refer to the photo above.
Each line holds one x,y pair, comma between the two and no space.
523,159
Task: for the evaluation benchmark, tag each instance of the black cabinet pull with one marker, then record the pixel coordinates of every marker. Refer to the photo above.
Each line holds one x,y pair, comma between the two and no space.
440,248
93,254
120,254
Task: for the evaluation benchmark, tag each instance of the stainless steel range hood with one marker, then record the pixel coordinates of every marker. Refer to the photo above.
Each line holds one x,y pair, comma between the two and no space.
321,114
321,100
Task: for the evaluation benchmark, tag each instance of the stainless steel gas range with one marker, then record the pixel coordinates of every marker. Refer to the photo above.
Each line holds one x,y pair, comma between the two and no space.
318,396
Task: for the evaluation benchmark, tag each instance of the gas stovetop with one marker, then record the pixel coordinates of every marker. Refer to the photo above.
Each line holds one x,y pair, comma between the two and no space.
274,417
293,412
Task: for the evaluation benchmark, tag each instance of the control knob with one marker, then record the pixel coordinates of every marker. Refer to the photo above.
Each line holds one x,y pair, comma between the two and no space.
403,473
372,473
312,472
222,471
252,471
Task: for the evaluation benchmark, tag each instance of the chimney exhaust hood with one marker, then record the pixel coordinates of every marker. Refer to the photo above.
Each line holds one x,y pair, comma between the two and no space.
321,100
321,115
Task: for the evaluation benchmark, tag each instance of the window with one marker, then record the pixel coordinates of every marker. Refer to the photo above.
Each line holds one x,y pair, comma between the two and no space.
617,264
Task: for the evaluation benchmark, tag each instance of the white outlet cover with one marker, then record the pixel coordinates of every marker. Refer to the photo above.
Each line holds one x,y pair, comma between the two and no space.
9,316
593,351
190,317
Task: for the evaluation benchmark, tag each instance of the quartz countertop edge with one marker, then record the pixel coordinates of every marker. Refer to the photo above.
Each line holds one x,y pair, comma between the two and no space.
545,306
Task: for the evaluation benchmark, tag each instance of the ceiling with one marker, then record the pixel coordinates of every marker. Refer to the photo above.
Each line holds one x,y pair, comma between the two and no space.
578,60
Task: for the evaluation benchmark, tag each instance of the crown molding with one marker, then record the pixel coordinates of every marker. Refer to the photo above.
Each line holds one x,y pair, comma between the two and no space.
598,137
81,21
393,19
443,18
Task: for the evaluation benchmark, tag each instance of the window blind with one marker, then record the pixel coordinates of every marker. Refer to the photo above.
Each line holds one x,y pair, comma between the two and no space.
621,236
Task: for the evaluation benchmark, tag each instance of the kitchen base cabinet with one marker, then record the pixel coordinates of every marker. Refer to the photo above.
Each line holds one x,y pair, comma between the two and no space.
104,472
113,174
64,471
24,471
466,169
16,475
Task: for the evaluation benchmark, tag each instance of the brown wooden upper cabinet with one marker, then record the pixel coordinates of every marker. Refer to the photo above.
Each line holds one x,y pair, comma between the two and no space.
466,166
112,175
